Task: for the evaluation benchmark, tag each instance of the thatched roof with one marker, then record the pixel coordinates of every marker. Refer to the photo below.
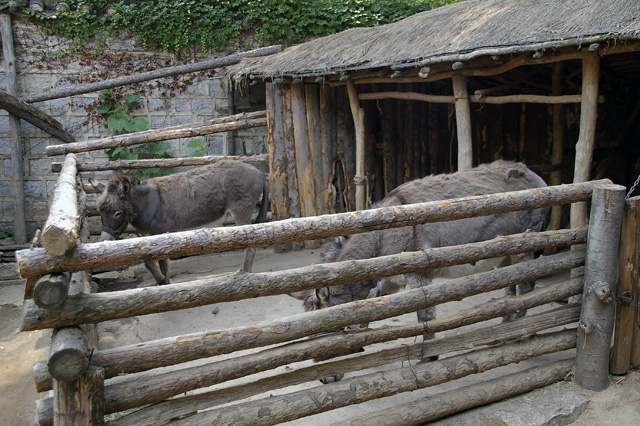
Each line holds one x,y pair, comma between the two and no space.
457,32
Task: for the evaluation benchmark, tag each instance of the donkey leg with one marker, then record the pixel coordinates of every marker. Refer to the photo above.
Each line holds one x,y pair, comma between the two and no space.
164,270
152,266
249,255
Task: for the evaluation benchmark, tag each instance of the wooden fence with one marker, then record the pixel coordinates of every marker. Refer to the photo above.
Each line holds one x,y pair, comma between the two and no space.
83,377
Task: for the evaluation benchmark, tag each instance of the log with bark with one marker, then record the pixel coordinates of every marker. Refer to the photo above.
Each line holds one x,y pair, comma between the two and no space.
94,308
295,405
434,407
152,75
159,162
129,394
36,262
179,349
340,343
156,135
61,230
599,296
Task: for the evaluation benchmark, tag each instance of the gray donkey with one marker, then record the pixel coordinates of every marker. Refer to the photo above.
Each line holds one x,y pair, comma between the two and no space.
499,176
182,201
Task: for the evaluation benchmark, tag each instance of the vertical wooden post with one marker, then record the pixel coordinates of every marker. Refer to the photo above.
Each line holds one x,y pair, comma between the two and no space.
626,324
17,162
463,122
358,122
557,143
599,298
304,166
81,401
586,138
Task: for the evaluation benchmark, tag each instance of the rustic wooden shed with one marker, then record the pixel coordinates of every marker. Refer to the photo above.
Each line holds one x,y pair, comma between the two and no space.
549,83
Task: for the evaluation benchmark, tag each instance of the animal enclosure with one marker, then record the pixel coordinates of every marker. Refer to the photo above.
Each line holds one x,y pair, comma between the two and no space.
58,295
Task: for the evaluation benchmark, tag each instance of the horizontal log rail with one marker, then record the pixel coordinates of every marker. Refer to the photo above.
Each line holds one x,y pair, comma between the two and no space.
140,391
239,121
99,307
179,349
306,402
152,75
159,387
336,344
434,407
159,162
37,262
444,99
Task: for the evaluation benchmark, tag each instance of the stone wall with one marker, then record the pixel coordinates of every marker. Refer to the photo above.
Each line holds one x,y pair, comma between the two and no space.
44,64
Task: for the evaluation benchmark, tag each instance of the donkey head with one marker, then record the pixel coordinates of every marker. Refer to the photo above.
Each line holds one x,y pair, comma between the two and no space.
338,250
114,205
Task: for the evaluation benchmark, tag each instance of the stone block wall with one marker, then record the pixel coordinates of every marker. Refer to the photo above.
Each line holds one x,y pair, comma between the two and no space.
42,69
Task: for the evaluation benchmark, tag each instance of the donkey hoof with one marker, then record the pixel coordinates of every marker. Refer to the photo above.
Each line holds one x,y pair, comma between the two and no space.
332,379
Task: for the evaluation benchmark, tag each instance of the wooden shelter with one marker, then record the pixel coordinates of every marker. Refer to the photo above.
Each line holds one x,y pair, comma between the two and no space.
549,83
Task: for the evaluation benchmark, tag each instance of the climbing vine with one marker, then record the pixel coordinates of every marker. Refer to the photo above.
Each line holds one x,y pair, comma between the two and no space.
173,25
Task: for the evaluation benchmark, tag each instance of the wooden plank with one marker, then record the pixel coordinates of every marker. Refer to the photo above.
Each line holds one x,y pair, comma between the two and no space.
314,137
598,300
628,275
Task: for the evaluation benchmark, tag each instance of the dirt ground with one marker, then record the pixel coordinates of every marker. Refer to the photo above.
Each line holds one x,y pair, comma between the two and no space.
619,405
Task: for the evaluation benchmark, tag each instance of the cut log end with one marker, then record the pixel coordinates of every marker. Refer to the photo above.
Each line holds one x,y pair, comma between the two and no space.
68,364
58,241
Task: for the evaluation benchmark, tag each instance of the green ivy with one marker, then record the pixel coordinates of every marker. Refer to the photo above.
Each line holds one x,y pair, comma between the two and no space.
173,25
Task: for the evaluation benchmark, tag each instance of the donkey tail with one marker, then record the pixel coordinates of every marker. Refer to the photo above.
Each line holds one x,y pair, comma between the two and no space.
264,205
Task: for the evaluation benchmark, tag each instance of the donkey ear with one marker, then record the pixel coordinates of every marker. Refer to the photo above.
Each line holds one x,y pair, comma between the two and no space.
125,186
98,186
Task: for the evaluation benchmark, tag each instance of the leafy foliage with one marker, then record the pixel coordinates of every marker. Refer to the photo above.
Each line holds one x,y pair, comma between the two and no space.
173,25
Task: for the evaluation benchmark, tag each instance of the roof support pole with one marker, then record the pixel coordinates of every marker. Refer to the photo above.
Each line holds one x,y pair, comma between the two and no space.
586,138
17,162
557,141
358,122
463,122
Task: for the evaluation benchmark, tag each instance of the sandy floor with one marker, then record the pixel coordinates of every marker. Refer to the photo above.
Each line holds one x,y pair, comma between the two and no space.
619,405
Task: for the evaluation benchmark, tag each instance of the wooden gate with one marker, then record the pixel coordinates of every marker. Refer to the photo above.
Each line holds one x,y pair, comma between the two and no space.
88,383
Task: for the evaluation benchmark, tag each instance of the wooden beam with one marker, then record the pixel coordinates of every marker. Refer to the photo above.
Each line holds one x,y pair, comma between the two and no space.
463,122
358,122
98,308
34,116
238,121
56,166
587,135
36,261
536,99
17,153
152,75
